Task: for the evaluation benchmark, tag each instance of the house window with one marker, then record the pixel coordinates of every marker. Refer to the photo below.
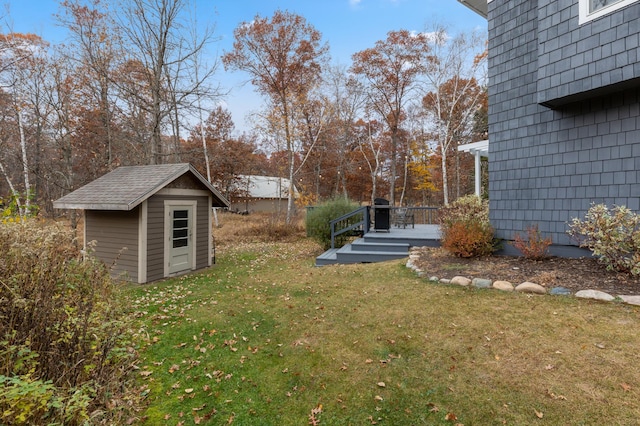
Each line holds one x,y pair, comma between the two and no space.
592,9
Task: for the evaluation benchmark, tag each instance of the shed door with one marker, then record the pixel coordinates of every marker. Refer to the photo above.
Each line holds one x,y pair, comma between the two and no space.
180,238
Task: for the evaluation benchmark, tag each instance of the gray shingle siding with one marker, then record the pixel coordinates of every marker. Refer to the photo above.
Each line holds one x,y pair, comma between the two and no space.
574,60
549,165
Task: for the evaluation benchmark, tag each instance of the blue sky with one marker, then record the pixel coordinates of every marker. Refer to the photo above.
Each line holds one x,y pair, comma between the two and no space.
347,25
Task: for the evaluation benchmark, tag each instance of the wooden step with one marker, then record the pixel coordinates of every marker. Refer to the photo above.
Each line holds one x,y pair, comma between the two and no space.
327,258
382,246
346,254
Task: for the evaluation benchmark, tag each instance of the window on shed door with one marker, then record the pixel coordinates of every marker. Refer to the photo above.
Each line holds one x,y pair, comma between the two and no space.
592,9
180,228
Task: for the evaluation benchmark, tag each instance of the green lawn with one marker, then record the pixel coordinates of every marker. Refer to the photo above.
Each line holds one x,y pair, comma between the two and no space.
266,338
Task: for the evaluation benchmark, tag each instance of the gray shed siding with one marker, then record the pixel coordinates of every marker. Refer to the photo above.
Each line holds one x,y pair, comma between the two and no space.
156,237
203,232
548,166
114,231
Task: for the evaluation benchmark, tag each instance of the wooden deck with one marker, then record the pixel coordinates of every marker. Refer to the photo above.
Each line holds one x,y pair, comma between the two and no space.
378,246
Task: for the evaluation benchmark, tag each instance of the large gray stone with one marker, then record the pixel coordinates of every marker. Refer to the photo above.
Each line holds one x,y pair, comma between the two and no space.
481,283
595,294
529,287
560,291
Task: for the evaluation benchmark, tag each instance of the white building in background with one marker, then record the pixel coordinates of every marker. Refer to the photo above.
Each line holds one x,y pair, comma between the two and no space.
261,194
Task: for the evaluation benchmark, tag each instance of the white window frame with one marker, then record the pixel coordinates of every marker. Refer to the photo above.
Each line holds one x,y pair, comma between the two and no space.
585,16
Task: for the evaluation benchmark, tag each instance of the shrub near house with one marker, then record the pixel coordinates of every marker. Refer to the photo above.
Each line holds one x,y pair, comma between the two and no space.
465,228
319,218
612,235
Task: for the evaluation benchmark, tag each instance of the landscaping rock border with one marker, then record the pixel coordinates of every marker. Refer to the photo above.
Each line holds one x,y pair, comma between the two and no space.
525,287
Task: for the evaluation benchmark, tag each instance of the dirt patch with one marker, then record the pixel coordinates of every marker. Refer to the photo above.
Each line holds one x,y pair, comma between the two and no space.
574,274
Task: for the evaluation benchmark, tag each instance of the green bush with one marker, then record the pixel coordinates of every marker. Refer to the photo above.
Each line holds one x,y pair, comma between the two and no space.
612,235
65,349
319,218
465,228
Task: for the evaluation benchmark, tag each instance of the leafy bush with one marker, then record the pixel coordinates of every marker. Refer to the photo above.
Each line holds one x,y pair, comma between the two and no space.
534,246
64,341
613,236
319,218
16,209
465,228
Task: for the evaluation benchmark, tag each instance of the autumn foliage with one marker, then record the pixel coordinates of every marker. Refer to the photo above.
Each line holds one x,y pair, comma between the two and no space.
65,343
465,228
533,246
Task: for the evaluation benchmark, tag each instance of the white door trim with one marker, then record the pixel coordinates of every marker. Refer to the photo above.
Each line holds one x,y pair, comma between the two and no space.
142,243
168,204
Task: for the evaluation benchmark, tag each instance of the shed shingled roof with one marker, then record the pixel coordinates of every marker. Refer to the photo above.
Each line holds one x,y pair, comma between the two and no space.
126,187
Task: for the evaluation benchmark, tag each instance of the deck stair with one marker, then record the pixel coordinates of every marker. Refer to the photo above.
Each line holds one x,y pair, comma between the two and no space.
381,246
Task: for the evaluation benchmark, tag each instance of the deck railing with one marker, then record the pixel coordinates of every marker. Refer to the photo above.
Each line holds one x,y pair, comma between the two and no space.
359,220
422,215
354,222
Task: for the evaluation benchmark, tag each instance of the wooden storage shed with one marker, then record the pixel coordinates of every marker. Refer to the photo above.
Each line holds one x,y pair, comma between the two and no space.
148,222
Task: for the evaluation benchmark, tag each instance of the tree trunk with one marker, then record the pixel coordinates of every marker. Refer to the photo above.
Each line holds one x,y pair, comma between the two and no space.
25,166
392,181
290,157
445,181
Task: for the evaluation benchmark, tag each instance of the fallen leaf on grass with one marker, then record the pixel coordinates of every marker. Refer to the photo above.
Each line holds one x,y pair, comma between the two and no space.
626,387
450,417
557,397
146,373
381,384
174,368
539,414
314,419
378,398
189,390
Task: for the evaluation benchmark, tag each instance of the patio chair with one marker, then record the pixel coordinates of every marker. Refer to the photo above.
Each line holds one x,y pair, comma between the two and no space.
404,217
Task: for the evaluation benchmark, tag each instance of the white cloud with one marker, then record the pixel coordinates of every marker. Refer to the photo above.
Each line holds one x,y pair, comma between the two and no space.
354,3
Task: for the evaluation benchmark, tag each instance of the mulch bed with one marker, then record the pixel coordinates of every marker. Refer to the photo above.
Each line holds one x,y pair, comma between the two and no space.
574,274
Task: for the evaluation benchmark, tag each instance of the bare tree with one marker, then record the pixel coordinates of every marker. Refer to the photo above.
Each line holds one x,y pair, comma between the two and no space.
23,76
155,34
454,81
347,98
390,71
93,44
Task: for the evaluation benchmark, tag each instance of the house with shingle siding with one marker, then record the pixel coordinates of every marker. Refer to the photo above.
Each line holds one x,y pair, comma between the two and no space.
148,222
564,111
